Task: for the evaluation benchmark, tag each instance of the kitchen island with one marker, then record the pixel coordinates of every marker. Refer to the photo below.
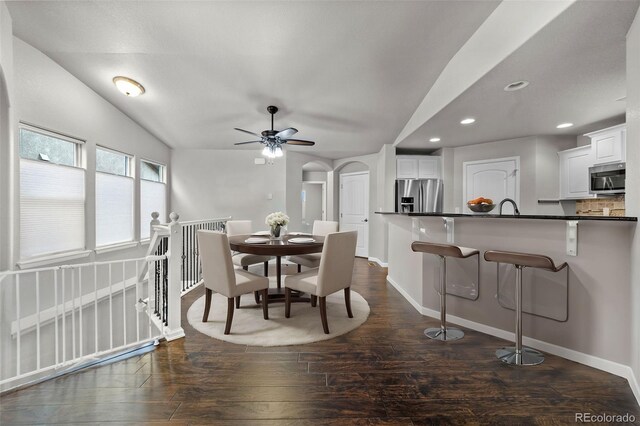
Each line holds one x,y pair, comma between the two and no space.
583,314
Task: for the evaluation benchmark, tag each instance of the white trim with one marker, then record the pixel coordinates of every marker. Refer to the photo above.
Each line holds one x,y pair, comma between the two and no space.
379,262
115,247
36,262
612,367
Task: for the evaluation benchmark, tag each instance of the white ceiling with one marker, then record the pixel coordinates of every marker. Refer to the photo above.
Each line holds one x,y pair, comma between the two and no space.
348,75
576,69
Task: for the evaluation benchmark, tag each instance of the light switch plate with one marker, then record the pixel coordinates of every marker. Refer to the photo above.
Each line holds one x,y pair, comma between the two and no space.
259,161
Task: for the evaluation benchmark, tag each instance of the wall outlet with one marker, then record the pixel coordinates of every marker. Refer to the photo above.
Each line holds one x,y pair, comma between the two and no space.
269,196
260,161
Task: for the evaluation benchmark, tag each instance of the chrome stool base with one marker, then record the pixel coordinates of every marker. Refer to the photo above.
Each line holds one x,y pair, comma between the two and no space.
439,334
528,356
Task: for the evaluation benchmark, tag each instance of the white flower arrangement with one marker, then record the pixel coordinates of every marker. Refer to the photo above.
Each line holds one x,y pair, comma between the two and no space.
276,219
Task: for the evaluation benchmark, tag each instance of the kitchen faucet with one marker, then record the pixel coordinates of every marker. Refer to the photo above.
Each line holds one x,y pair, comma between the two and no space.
516,212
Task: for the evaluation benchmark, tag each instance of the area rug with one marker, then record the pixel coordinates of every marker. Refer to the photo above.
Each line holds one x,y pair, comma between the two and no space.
304,326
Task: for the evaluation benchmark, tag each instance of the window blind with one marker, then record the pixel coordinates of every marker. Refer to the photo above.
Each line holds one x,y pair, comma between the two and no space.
52,200
152,199
114,209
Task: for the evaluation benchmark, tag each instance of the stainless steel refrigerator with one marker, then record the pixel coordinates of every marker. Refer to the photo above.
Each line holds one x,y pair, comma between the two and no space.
419,195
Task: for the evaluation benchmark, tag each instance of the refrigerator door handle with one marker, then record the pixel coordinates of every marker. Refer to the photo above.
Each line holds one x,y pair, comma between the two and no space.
420,197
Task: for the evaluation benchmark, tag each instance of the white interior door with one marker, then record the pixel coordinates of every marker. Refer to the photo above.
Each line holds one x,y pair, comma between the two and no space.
354,208
496,179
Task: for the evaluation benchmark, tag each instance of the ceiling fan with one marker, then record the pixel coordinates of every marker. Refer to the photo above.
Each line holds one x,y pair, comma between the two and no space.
274,139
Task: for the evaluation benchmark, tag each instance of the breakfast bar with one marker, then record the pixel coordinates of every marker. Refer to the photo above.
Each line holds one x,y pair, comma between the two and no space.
582,314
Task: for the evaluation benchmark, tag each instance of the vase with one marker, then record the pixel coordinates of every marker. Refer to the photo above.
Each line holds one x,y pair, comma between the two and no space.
276,232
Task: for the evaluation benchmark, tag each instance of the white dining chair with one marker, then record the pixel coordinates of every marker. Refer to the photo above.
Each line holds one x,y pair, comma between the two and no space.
333,274
321,228
219,275
244,260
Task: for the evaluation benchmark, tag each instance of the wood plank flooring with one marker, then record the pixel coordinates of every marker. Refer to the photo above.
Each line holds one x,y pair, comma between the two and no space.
383,373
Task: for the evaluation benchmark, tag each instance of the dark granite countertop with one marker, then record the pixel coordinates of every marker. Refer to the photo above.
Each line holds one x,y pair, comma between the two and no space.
522,216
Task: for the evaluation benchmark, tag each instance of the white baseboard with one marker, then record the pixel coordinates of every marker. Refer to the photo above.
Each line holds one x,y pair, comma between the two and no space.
612,367
379,262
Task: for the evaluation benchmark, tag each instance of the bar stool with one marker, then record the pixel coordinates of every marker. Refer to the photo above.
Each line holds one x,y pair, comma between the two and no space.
518,354
443,251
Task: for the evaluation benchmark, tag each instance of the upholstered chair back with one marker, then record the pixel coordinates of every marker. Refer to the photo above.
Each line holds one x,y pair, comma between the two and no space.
324,227
217,268
336,263
238,227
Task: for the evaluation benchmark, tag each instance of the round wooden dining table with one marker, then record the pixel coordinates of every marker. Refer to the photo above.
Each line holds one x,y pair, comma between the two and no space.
277,249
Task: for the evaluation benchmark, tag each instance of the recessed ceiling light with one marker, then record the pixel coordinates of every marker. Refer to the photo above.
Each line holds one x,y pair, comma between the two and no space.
516,85
564,125
468,121
128,86
434,140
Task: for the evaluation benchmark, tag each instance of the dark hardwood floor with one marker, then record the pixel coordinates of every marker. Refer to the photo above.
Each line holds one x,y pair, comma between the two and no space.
383,373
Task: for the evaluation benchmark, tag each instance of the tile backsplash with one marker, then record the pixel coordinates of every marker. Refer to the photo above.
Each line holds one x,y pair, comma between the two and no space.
595,206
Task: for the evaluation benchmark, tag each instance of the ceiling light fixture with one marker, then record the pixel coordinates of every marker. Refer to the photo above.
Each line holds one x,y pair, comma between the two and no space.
273,150
564,125
434,140
128,86
516,85
468,121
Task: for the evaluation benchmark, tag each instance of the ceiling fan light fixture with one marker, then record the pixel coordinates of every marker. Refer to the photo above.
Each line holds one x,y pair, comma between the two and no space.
278,151
128,86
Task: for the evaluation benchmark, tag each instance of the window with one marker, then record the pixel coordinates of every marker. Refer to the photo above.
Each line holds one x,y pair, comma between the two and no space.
114,197
153,195
52,193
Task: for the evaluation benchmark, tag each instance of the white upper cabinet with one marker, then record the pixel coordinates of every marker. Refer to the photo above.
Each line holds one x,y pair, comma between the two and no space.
574,172
609,144
406,168
417,167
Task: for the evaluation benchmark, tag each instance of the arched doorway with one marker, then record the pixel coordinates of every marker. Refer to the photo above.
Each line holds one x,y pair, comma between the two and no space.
315,177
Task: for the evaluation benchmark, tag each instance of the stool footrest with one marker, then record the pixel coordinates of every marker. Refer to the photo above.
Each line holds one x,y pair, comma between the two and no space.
528,356
445,335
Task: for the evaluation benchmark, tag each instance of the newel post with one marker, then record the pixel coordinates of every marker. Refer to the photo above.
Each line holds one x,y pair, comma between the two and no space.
173,330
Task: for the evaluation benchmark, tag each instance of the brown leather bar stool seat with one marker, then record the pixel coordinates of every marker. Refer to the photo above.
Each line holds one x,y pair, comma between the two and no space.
443,251
519,355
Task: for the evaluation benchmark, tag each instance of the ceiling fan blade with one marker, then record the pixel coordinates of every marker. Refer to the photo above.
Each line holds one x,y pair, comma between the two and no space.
286,133
243,143
246,131
298,142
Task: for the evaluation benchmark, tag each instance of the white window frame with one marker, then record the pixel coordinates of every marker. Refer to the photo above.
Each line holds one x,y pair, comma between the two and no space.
163,180
130,173
79,163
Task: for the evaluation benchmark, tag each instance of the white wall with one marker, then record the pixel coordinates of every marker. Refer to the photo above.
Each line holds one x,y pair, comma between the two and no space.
6,103
50,97
633,182
217,183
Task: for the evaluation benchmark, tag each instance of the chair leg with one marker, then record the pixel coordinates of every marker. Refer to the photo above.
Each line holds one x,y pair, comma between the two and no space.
265,304
256,295
299,268
314,301
323,314
347,301
287,302
266,269
237,302
207,304
227,327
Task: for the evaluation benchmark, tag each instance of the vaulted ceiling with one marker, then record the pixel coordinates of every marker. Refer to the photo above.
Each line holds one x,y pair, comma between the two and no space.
349,75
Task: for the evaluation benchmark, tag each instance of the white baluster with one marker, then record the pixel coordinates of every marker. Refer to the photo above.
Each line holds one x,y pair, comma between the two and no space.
173,330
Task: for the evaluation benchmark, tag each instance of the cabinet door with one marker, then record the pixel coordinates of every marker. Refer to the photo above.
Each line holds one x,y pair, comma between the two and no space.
607,147
429,168
574,172
406,168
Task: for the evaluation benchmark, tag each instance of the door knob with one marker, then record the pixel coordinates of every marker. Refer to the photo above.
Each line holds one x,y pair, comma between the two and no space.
366,220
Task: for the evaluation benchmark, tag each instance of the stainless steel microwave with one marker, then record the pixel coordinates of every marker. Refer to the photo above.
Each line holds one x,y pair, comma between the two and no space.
607,178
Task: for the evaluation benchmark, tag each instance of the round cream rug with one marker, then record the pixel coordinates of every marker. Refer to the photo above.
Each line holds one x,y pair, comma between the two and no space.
304,325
